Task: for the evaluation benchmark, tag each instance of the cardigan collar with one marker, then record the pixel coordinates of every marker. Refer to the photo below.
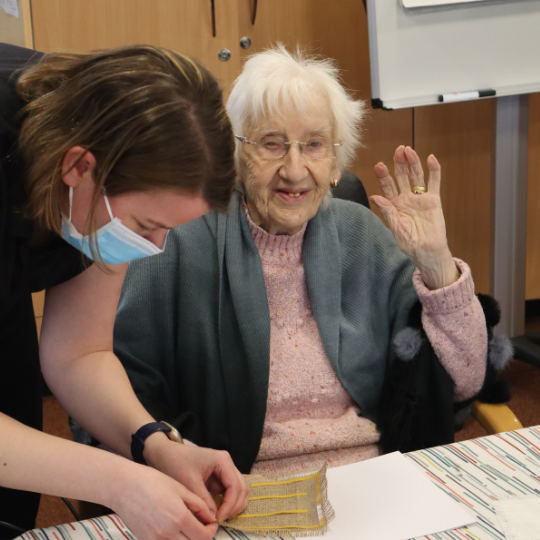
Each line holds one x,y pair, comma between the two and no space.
272,244
321,244
242,283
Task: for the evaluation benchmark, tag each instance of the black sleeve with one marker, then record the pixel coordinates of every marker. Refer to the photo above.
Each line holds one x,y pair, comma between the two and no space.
30,261
13,58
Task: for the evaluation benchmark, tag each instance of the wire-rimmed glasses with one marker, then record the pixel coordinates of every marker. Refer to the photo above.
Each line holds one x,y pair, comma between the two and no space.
272,147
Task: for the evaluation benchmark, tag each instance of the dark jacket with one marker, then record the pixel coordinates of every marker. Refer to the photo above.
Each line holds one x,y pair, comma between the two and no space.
30,260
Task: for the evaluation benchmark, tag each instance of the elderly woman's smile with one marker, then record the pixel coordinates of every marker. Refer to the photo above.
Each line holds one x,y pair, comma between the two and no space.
292,197
287,165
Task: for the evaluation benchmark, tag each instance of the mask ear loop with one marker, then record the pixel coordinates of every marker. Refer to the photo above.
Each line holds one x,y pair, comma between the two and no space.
70,202
107,204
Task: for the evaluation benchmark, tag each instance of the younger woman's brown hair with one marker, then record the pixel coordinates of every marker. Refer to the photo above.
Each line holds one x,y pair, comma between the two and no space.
153,119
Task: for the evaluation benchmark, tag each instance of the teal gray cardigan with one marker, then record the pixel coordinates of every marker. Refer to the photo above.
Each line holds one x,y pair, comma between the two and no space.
193,326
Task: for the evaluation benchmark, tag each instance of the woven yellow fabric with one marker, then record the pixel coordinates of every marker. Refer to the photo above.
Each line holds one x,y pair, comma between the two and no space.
291,505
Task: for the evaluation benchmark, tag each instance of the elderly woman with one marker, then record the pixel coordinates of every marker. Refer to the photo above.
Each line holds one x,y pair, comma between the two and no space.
268,332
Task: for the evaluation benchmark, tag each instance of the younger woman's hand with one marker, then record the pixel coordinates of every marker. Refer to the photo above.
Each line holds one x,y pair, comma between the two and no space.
156,507
204,471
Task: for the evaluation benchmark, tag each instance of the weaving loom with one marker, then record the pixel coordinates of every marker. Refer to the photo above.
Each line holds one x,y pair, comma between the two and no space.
285,505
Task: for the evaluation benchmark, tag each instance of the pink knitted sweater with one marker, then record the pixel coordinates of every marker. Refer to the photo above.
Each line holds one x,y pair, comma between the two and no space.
310,417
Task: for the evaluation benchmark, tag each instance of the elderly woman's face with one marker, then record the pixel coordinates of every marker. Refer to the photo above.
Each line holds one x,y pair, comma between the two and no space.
283,194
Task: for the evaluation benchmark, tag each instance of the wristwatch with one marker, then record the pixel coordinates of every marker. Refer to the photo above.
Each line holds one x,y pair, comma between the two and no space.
139,437
174,434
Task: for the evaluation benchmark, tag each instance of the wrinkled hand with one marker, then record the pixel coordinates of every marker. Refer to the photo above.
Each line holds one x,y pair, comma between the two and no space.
203,471
417,221
156,507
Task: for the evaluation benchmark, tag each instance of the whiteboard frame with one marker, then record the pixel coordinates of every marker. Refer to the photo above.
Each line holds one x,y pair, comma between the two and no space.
419,4
386,16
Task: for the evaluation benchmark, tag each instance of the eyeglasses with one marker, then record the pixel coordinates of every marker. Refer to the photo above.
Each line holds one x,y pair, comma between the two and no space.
273,147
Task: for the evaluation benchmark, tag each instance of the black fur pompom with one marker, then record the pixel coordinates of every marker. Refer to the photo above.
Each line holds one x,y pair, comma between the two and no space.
491,308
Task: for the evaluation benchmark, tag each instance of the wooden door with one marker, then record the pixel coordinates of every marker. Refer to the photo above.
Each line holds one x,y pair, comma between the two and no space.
334,29
533,201
181,25
459,135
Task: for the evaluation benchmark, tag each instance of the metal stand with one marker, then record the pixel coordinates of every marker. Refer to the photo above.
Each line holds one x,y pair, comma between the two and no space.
509,211
509,225
527,348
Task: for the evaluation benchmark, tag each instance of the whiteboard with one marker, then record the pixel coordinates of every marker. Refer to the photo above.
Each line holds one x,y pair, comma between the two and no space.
417,55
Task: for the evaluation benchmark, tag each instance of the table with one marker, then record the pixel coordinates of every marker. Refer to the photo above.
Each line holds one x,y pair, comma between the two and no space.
474,473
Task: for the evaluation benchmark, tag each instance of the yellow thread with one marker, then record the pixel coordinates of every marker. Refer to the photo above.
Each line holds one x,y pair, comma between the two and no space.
272,514
277,496
276,528
285,481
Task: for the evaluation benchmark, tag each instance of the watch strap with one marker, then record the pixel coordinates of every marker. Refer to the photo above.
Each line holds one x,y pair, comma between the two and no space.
140,436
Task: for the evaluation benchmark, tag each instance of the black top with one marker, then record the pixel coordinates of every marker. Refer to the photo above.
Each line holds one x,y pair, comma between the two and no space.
30,260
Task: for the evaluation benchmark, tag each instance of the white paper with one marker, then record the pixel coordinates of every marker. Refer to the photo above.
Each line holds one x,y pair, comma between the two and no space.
388,498
11,7
431,3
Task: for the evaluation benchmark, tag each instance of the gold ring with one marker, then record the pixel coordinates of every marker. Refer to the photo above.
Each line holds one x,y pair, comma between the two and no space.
419,190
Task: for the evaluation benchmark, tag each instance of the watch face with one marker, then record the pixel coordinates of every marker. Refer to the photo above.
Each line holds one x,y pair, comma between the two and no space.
174,434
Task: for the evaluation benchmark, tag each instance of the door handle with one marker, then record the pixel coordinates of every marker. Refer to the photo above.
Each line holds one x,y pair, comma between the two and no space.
254,12
213,11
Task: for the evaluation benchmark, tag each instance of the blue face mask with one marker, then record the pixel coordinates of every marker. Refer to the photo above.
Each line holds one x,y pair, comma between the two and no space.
116,243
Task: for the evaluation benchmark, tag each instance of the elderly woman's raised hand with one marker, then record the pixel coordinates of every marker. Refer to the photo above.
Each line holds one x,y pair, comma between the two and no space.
417,220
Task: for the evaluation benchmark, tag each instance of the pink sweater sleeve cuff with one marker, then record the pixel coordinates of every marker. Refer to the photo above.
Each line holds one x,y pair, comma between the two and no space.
456,328
448,299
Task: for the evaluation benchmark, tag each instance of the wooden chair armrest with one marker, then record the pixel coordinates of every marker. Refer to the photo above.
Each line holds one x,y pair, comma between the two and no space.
495,418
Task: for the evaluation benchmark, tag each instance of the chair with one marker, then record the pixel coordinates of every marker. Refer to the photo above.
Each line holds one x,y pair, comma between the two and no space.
350,188
493,418
9,531
527,348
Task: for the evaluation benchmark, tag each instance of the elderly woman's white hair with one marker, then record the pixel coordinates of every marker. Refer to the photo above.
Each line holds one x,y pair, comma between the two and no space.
275,82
